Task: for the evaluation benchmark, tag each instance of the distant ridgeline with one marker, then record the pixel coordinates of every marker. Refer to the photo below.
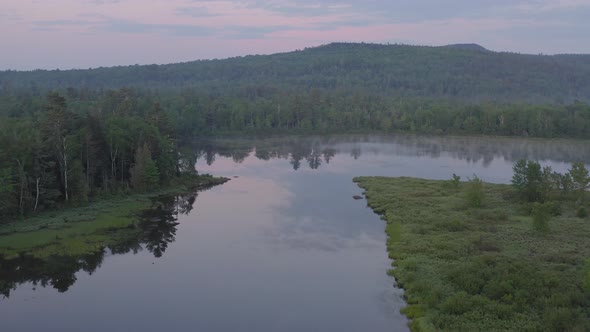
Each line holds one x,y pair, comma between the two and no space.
462,71
459,89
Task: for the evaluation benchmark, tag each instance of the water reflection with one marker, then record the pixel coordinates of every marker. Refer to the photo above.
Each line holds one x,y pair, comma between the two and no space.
319,150
281,247
154,231
58,272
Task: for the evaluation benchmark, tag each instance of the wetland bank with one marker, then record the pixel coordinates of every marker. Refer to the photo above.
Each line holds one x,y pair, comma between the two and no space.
283,245
483,268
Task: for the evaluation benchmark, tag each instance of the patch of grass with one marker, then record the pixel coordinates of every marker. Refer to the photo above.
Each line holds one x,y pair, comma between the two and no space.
541,216
74,232
467,268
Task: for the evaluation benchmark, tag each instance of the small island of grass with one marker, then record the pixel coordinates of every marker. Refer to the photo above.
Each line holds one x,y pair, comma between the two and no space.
480,262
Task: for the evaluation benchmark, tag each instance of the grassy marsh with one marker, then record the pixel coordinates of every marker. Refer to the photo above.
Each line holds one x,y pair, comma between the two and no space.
482,268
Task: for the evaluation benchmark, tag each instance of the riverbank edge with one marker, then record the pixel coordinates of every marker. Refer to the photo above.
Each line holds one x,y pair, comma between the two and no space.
431,258
79,230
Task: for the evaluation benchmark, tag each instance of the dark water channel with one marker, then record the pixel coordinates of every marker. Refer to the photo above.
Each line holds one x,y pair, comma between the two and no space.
281,247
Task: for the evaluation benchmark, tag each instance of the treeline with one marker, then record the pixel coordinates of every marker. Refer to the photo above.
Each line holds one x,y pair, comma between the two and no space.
541,184
192,112
58,155
470,74
544,188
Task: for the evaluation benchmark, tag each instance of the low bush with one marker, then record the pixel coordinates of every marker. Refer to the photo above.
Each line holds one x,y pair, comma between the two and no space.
475,192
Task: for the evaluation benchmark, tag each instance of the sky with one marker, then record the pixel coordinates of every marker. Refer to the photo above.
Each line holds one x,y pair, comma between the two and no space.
65,34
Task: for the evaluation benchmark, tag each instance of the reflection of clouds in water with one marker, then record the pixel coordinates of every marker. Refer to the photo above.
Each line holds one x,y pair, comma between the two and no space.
248,192
303,209
243,205
303,234
322,215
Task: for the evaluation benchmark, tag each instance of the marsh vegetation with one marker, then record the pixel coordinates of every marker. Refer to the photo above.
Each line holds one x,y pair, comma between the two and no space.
481,257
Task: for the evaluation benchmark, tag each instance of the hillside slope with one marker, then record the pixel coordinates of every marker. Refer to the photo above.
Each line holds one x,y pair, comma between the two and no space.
465,72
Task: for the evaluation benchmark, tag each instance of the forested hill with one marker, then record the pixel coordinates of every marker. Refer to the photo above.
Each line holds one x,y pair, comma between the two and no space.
466,72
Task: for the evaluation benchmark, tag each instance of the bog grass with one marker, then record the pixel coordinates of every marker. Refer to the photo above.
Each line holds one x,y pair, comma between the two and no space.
482,268
73,232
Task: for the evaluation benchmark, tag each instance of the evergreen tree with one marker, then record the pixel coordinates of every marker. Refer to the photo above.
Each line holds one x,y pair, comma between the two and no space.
144,173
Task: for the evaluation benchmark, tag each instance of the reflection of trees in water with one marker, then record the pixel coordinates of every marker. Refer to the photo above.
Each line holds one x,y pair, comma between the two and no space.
155,230
319,150
314,159
58,272
355,152
328,154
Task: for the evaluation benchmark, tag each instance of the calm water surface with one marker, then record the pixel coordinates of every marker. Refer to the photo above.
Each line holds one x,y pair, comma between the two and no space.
281,247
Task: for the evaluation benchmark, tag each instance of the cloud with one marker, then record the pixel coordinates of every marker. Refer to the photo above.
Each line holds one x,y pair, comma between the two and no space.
300,8
63,23
103,2
252,32
553,5
195,12
127,27
10,15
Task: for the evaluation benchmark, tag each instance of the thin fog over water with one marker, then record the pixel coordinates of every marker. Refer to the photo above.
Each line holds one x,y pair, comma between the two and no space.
281,247
387,155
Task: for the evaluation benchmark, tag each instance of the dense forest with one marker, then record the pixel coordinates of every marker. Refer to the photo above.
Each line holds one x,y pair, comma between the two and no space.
192,112
57,157
69,135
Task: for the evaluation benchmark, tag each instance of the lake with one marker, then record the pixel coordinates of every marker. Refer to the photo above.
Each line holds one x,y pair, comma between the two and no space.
283,246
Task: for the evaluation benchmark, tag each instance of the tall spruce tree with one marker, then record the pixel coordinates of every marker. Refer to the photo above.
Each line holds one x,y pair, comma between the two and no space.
144,173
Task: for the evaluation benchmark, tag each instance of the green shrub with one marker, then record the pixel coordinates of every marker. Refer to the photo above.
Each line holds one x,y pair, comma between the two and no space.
555,208
582,212
457,304
541,215
454,181
474,192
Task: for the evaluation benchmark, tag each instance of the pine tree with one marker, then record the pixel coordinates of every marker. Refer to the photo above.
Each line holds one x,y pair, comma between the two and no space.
144,173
